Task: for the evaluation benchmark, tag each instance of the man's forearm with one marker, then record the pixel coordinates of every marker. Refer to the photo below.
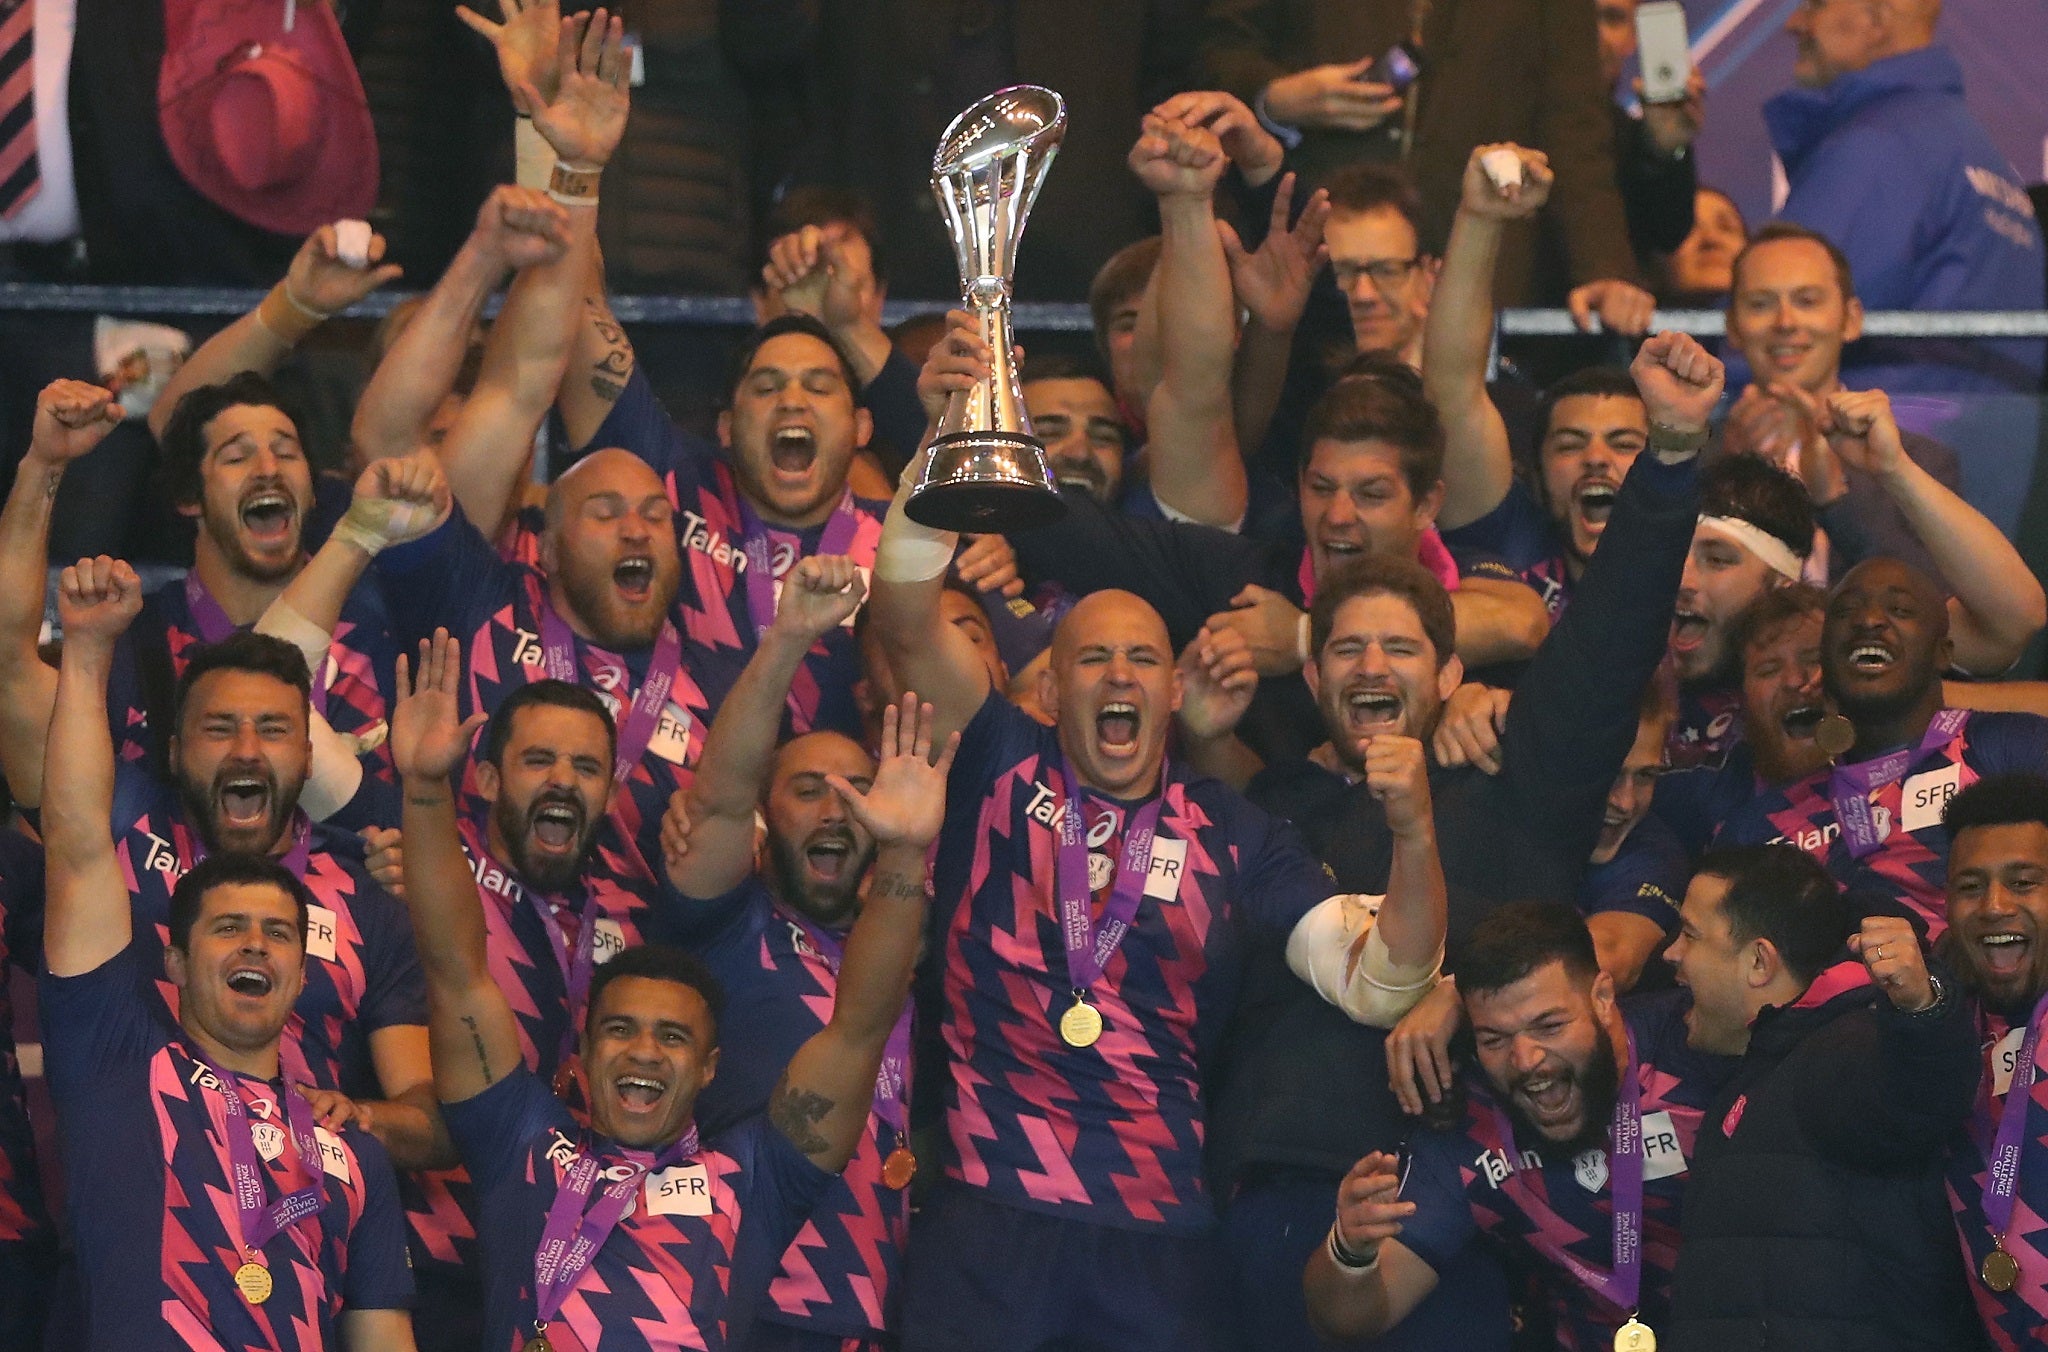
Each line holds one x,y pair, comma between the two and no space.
447,918
1196,468
410,1129
874,978
1478,465
420,369
1345,1304
24,557
1413,917
1992,582
740,747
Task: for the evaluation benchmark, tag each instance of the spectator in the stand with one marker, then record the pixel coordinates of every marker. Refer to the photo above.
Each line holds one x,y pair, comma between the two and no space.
1492,70
1701,269
884,78
1375,242
1113,300
1075,415
1652,143
1815,1217
1884,158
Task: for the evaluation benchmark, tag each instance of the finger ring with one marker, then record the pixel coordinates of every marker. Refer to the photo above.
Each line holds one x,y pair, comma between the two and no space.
1879,955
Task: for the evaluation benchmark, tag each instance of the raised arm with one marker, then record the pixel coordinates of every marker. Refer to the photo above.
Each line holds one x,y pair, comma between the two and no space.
828,272
1998,603
1196,470
1478,466
818,595
821,1102
72,417
1272,284
927,654
87,921
471,1030
317,286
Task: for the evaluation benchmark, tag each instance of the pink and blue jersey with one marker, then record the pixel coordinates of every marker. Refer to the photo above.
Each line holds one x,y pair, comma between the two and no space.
685,1269
152,656
22,1216
1708,726
153,1215
1110,1134
362,972
711,531
1911,861
1527,539
839,1275
441,1204
1463,1188
2013,1318
453,578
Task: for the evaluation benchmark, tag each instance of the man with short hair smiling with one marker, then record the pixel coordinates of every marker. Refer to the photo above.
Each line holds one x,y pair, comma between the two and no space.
1820,1158
681,1234
1874,819
1997,907
1572,1143
226,1211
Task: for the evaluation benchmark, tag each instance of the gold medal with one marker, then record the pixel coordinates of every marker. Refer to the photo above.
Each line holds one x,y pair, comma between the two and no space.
2000,1270
899,1169
253,1279
1081,1025
1634,1336
538,1343
1834,734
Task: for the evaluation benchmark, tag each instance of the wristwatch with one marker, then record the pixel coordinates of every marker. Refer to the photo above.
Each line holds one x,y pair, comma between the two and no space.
1672,443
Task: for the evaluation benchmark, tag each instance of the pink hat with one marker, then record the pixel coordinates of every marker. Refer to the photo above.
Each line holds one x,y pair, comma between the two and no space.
263,112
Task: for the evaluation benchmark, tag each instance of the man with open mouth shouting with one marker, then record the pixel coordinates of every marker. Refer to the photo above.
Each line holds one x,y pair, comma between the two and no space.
641,1221
1874,816
1570,1146
775,936
1096,905
209,1194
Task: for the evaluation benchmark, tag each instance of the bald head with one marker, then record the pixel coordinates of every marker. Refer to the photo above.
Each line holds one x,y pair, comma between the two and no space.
611,470
1114,690
610,549
1119,615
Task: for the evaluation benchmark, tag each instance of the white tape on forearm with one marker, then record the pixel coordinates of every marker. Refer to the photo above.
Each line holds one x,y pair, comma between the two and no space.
535,158
909,552
1379,991
283,621
1775,553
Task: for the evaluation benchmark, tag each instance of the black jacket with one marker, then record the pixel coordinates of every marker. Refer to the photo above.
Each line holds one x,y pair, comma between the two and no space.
1815,1220
1299,1085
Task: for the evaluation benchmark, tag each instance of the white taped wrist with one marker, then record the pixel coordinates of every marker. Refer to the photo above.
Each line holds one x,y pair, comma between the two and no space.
909,552
535,157
1372,989
283,620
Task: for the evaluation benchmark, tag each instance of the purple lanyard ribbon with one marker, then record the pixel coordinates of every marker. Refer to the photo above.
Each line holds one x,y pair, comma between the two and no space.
759,574
2002,1186
892,1079
1850,786
214,625
1623,1287
261,1221
1089,948
572,1237
636,730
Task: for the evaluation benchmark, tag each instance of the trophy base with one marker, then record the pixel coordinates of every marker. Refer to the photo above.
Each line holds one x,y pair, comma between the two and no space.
986,483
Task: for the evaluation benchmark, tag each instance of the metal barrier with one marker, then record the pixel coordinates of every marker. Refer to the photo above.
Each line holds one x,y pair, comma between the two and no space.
1036,316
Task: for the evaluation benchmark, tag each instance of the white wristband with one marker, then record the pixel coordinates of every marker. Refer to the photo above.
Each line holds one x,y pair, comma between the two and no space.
909,552
1301,640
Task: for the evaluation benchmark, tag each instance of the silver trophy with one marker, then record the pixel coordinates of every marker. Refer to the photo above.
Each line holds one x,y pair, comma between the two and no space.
987,472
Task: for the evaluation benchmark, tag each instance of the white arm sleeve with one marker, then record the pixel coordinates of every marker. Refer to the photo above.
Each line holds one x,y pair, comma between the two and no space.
1337,949
335,774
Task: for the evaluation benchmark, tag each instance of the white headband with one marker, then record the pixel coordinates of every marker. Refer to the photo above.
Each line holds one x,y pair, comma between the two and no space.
1775,553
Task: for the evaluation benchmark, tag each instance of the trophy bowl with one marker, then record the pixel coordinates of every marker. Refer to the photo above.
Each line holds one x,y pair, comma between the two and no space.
986,471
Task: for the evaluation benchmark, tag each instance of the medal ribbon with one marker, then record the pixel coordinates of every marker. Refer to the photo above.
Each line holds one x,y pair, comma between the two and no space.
295,860
261,1222
572,1237
2001,1187
1088,948
214,625
1430,551
1850,786
1622,1287
892,1078
636,730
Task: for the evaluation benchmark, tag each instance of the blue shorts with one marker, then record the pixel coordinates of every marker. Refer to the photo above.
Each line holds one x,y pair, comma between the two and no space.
1271,1229
984,1277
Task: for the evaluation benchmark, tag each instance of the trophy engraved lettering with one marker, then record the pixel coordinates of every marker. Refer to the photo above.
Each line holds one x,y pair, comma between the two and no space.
987,472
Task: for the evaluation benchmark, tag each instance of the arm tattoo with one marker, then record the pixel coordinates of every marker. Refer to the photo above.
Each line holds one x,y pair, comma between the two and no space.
796,1114
900,887
609,371
483,1059
50,487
